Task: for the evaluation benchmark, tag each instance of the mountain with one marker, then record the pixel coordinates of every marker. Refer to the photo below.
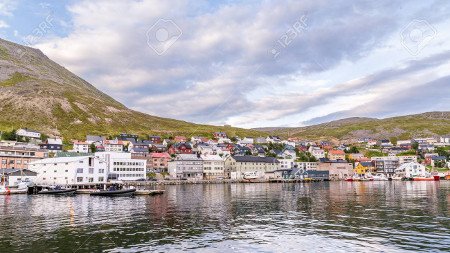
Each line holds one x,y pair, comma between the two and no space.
37,93
402,127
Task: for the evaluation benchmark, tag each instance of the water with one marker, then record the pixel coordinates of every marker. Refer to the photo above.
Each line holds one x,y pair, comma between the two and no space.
315,217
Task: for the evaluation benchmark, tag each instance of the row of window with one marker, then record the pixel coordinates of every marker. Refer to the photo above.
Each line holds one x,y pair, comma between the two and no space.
89,179
128,169
129,163
4,161
130,175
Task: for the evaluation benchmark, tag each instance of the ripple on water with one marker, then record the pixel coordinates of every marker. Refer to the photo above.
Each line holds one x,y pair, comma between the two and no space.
317,217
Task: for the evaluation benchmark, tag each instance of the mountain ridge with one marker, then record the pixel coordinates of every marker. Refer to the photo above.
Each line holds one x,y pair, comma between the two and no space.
407,126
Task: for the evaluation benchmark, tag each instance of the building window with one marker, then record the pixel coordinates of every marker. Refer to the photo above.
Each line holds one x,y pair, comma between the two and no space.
79,179
80,170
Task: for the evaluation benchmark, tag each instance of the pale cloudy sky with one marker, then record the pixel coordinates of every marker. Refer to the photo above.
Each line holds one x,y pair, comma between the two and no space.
248,63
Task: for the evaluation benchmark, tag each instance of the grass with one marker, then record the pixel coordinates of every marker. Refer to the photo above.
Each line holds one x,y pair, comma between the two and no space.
4,55
14,79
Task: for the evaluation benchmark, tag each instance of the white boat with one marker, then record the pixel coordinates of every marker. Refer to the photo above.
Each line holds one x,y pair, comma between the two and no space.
380,177
4,190
250,175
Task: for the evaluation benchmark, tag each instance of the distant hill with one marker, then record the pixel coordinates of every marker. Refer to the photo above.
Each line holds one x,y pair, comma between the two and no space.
403,127
37,93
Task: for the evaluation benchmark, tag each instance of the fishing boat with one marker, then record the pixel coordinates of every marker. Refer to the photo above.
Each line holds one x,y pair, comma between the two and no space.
114,191
57,191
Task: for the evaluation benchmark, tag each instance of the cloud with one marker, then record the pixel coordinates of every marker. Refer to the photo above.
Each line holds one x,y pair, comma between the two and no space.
3,24
410,101
222,70
7,7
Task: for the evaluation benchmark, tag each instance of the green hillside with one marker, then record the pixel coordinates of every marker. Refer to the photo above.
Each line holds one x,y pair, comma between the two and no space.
403,127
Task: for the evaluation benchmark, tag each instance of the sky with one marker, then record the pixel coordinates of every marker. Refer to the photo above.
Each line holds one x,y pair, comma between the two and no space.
248,63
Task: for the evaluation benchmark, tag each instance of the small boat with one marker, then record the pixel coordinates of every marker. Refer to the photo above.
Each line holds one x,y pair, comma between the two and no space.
425,179
380,177
149,192
5,190
114,193
57,191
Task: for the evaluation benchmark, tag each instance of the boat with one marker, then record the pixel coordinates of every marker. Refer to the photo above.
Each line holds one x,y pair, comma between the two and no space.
114,193
380,177
250,177
149,192
57,191
432,178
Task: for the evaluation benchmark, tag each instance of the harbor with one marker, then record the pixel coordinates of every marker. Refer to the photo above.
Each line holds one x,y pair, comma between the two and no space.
235,217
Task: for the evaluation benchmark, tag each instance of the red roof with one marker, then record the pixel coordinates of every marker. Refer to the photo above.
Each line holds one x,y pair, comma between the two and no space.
160,155
337,152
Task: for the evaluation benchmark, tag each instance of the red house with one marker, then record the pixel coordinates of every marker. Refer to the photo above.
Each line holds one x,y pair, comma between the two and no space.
180,148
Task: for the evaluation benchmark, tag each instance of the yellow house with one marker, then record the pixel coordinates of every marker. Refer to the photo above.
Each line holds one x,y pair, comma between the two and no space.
363,168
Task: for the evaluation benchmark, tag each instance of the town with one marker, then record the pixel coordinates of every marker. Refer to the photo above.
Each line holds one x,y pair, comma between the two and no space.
27,155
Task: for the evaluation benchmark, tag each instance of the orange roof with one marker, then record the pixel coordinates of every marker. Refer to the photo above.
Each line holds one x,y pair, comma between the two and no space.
337,152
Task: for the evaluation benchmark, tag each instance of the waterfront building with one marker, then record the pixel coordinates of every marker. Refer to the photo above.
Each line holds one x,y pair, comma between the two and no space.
409,170
385,164
336,170
15,177
213,167
123,167
237,166
69,170
159,162
186,166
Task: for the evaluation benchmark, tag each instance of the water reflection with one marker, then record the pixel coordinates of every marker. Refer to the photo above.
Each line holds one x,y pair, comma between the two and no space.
322,217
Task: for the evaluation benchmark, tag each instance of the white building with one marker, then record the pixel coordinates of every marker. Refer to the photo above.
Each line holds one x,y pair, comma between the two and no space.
213,167
224,140
286,163
92,169
28,133
409,170
187,166
18,176
69,170
306,165
113,145
316,152
80,147
122,166
407,159
236,167
246,141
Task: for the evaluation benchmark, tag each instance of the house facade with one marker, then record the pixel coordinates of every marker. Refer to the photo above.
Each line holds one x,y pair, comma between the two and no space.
237,166
186,166
29,133
213,167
